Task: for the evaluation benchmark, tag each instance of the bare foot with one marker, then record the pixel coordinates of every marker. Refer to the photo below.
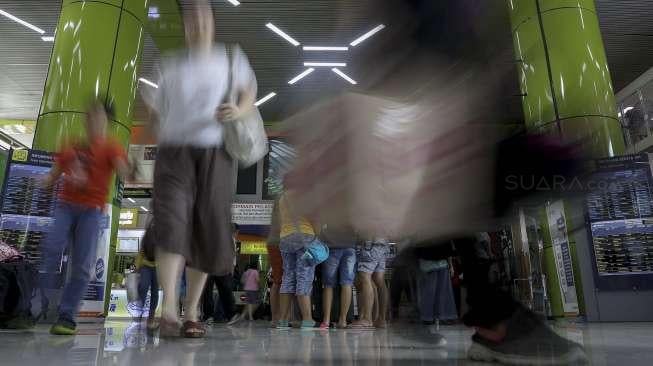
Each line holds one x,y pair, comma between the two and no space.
361,324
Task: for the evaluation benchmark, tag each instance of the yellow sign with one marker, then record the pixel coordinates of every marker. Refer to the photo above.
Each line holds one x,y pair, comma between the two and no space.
128,218
20,155
253,247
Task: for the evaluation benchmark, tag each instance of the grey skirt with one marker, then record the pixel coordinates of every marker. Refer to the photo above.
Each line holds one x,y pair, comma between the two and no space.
193,193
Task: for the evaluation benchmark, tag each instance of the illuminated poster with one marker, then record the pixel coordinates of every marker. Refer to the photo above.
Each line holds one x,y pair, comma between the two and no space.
557,223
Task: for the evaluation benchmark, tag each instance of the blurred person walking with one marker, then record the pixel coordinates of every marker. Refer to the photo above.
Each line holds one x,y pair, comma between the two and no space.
193,177
87,167
413,153
338,269
298,274
225,287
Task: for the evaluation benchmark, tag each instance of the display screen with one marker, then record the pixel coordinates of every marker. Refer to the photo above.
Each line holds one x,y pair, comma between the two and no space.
128,245
620,211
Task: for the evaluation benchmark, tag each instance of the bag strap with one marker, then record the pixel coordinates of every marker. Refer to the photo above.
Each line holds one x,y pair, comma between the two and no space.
229,51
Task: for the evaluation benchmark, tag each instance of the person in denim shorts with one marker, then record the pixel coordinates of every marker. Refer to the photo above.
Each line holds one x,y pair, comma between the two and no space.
341,265
296,234
371,256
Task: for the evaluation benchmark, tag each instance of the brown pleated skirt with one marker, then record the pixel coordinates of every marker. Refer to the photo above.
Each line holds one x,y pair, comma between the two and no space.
193,193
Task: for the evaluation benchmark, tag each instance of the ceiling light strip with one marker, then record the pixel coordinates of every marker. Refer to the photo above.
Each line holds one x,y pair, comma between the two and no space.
48,38
283,34
301,76
325,64
147,82
234,2
20,21
367,35
324,48
265,99
144,209
344,76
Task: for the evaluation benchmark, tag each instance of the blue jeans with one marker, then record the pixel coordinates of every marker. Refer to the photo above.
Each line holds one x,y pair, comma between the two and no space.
78,227
340,262
436,300
297,274
149,282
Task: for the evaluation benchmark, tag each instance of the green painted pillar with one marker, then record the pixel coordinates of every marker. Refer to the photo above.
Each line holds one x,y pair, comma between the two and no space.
567,91
97,52
564,74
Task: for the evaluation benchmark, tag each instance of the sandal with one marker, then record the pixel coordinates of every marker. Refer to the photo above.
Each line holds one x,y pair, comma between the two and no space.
193,330
360,326
169,328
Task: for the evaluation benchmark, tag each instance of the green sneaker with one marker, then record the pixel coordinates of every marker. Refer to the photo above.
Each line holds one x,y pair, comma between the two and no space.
64,327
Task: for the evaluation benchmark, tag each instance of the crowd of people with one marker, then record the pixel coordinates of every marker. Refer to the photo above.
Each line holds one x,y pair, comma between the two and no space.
193,191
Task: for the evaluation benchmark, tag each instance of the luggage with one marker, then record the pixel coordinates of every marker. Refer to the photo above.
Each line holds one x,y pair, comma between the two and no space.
17,284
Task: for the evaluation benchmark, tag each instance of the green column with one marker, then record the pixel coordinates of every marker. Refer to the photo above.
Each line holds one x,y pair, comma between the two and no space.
567,91
97,52
564,73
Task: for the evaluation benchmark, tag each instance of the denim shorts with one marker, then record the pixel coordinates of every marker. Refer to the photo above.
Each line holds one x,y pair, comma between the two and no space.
371,257
340,262
298,275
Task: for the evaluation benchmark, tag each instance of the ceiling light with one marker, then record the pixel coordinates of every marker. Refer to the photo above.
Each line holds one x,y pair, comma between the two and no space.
147,82
20,21
265,99
301,76
21,129
283,35
131,200
628,109
321,48
344,76
367,35
48,38
234,2
325,64
153,12
145,209
5,145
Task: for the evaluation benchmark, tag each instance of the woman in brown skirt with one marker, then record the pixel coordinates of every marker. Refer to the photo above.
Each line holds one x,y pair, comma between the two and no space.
193,178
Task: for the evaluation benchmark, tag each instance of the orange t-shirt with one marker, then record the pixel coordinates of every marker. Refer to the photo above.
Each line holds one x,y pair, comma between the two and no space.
87,171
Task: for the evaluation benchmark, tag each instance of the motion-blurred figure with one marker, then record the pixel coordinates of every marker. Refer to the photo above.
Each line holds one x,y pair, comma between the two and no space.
193,178
87,167
412,154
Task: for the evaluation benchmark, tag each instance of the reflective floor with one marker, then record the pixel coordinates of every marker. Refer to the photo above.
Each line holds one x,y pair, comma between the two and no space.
124,343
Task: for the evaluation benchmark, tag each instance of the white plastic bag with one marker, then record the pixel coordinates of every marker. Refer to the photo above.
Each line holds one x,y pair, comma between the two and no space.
245,139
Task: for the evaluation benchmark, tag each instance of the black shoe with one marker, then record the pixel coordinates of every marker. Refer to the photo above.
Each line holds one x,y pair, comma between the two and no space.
528,342
428,322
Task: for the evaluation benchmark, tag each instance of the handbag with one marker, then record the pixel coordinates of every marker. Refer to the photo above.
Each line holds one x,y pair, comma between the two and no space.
316,252
245,138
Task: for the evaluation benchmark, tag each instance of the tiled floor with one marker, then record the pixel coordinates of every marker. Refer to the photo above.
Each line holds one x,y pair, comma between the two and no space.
124,343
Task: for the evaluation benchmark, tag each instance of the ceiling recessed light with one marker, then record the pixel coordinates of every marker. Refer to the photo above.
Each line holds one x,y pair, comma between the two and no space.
344,76
301,76
265,99
234,2
147,82
153,12
48,38
283,35
144,209
131,200
367,35
324,48
325,64
20,21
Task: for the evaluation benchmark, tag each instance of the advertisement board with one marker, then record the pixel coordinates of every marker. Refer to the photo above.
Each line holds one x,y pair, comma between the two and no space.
557,223
252,213
93,302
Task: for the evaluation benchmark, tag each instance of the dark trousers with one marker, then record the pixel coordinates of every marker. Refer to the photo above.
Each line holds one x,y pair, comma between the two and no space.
149,282
226,297
402,282
488,303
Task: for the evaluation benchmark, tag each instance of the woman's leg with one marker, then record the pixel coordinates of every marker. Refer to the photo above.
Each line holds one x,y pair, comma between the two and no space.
169,268
194,288
305,276
288,284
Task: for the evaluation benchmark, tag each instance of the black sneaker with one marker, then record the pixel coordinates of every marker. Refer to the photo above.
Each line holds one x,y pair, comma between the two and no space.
528,342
